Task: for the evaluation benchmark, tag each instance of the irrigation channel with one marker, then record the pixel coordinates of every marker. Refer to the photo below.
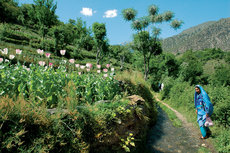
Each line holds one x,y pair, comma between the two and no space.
164,137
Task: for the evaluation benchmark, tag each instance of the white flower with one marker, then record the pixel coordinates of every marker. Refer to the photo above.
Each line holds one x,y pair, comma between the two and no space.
18,51
41,52
105,75
5,51
98,66
62,52
71,61
82,67
11,57
77,65
41,63
89,65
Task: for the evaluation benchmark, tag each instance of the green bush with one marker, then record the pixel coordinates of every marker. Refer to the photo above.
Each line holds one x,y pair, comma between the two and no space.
220,99
133,83
168,84
221,76
74,126
223,140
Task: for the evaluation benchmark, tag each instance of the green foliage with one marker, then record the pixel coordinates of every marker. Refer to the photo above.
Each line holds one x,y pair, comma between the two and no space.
44,14
129,14
223,141
168,15
140,23
153,10
227,57
134,84
220,98
128,142
168,84
221,76
191,68
176,24
99,31
45,85
73,126
143,41
9,11
148,46
121,53
191,71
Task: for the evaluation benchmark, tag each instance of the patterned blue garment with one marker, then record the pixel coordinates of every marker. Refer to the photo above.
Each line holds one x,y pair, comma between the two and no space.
203,106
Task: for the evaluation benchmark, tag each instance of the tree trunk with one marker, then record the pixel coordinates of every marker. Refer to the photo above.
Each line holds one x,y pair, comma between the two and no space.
122,59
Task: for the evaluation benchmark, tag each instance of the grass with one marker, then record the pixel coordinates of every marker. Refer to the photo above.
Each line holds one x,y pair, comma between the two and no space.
203,150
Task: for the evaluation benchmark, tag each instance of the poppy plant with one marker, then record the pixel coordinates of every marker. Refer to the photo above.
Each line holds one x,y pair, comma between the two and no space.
62,52
48,55
18,51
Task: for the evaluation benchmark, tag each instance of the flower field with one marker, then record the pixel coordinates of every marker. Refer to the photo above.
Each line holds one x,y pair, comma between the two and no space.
70,107
46,84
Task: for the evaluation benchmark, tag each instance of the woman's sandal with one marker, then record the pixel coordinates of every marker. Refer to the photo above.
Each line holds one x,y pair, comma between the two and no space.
203,137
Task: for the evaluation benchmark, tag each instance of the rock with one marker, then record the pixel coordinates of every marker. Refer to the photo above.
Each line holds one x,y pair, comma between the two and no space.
203,145
135,100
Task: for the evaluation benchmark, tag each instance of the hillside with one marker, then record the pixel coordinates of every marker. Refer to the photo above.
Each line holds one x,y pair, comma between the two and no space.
212,34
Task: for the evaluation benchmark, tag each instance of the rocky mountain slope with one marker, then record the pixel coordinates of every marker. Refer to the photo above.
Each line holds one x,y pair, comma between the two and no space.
212,34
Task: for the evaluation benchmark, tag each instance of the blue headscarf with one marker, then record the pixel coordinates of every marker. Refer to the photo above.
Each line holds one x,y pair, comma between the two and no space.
206,100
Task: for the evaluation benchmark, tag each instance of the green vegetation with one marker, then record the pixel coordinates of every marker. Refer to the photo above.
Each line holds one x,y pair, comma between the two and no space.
148,44
180,96
57,109
89,112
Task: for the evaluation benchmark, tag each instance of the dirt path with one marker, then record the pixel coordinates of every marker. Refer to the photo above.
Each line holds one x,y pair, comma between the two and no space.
186,137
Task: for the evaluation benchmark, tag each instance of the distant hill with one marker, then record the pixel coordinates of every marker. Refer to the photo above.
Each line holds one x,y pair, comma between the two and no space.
212,34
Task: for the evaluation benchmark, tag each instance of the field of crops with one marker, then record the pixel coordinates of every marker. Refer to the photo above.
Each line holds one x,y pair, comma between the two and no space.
70,106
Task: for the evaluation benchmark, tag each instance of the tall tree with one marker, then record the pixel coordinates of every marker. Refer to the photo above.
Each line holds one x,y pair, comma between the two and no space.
145,42
44,15
9,11
99,31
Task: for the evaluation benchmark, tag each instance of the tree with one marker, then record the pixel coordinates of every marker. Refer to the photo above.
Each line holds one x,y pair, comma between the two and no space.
146,43
99,31
82,35
9,11
59,33
221,77
121,53
43,15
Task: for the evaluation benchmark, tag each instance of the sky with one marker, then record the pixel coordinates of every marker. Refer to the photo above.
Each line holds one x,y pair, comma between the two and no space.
191,12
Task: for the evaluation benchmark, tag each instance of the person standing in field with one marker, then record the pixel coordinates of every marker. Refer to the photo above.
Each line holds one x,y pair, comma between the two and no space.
204,109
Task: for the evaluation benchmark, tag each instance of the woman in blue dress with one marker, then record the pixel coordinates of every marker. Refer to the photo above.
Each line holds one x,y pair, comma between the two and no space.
204,109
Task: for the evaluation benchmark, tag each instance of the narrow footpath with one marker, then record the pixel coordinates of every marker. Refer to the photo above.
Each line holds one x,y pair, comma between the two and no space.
166,138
